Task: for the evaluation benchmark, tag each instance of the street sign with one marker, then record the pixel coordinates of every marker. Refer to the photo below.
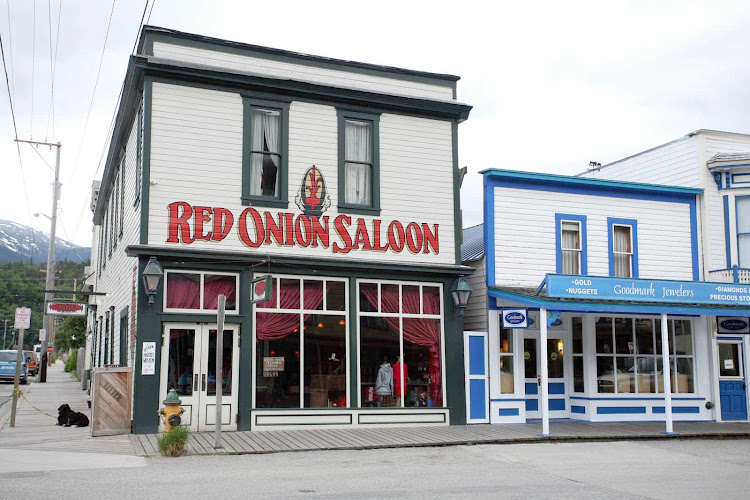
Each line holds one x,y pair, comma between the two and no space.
62,308
50,348
23,318
42,335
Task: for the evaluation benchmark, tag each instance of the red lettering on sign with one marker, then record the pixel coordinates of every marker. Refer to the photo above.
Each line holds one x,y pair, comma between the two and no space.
431,239
414,237
179,228
274,230
303,230
242,228
396,229
202,215
361,236
338,224
376,237
223,221
289,230
320,232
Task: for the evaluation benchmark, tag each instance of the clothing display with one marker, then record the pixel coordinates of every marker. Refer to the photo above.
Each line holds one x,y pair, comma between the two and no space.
384,380
400,374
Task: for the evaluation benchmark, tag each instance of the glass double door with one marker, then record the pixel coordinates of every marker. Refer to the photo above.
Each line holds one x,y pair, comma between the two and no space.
189,366
556,371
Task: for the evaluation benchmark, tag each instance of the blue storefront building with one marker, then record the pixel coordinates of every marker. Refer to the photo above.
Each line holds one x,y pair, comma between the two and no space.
591,303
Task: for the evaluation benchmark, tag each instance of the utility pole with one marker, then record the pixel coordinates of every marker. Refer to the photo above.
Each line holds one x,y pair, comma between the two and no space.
5,330
50,282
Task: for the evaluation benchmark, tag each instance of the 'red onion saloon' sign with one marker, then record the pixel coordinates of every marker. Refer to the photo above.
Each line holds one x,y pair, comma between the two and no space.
66,308
188,223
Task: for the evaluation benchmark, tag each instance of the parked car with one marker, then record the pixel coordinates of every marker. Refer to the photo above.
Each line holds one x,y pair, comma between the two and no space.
31,363
8,366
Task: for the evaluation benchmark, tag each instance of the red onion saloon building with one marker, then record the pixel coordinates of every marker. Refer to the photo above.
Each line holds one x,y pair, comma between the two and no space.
320,197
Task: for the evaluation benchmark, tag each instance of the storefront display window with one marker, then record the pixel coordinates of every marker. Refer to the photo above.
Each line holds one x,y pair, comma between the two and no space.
400,338
506,361
628,352
301,353
196,292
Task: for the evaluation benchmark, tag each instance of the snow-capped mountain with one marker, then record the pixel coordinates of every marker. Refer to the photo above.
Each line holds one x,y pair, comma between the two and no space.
19,243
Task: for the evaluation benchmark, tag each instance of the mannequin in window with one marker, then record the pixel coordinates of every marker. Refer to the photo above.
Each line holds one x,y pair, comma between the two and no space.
400,377
384,382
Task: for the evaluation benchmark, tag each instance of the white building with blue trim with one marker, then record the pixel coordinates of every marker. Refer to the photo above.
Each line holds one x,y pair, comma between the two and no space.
615,269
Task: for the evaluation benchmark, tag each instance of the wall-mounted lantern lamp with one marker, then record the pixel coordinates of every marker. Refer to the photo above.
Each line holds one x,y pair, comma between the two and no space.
460,293
152,274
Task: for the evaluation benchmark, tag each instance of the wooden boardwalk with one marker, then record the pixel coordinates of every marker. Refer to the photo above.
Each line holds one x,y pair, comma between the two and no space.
243,442
36,431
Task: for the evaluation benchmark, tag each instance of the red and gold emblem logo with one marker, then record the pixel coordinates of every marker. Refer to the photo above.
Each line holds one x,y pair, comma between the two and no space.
312,197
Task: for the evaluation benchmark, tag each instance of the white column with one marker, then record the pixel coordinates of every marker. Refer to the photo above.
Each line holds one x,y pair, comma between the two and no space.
544,389
666,373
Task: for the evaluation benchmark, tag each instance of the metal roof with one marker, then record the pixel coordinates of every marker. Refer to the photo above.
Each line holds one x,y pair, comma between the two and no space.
472,247
729,157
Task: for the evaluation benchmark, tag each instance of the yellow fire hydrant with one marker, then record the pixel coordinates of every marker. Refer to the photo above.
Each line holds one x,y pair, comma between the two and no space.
171,412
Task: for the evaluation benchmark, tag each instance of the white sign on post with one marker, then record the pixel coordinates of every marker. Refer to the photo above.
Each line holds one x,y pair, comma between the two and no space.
148,359
23,318
42,335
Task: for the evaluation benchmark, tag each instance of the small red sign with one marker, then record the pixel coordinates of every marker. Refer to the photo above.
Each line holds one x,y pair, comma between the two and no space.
50,348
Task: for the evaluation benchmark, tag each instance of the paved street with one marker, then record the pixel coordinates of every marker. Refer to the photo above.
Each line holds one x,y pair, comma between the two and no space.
623,469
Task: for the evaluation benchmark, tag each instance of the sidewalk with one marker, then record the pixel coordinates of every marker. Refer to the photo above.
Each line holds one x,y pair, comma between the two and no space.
242,442
36,431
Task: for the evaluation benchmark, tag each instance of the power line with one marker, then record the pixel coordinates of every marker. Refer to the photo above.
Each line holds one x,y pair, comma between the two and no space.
114,114
93,93
53,66
33,67
10,42
18,147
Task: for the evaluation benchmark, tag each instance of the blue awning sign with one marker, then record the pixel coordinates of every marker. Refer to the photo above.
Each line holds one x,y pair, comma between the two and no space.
644,290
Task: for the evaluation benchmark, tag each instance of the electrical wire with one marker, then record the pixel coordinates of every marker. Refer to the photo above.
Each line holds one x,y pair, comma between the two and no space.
33,68
10,46
18,147
93,93
52,67
114,115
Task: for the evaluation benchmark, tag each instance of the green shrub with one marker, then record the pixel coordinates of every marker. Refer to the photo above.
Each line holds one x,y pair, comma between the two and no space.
72,362
174,442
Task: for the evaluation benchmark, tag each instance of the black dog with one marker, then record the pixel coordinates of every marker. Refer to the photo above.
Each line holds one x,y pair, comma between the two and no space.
68,417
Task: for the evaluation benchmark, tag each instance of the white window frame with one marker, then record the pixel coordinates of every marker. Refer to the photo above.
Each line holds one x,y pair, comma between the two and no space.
302,311
202,274
580,245
401,316
615,253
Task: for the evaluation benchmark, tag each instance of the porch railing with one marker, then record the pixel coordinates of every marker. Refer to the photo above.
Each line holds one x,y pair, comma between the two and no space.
734,274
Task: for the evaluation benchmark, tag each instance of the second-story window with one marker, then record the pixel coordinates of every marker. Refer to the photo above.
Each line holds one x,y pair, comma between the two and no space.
743,230
265,157
264,163
623,247
359,176
570,240
571,247
622,250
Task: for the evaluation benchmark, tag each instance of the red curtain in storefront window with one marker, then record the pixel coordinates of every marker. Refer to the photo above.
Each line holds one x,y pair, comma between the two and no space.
183,292
275,325
420,331
216,285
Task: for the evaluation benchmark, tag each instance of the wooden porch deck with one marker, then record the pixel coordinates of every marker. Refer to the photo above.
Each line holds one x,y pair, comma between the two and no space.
242,442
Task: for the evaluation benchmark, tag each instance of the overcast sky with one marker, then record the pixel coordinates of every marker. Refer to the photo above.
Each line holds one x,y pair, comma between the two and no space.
553,84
